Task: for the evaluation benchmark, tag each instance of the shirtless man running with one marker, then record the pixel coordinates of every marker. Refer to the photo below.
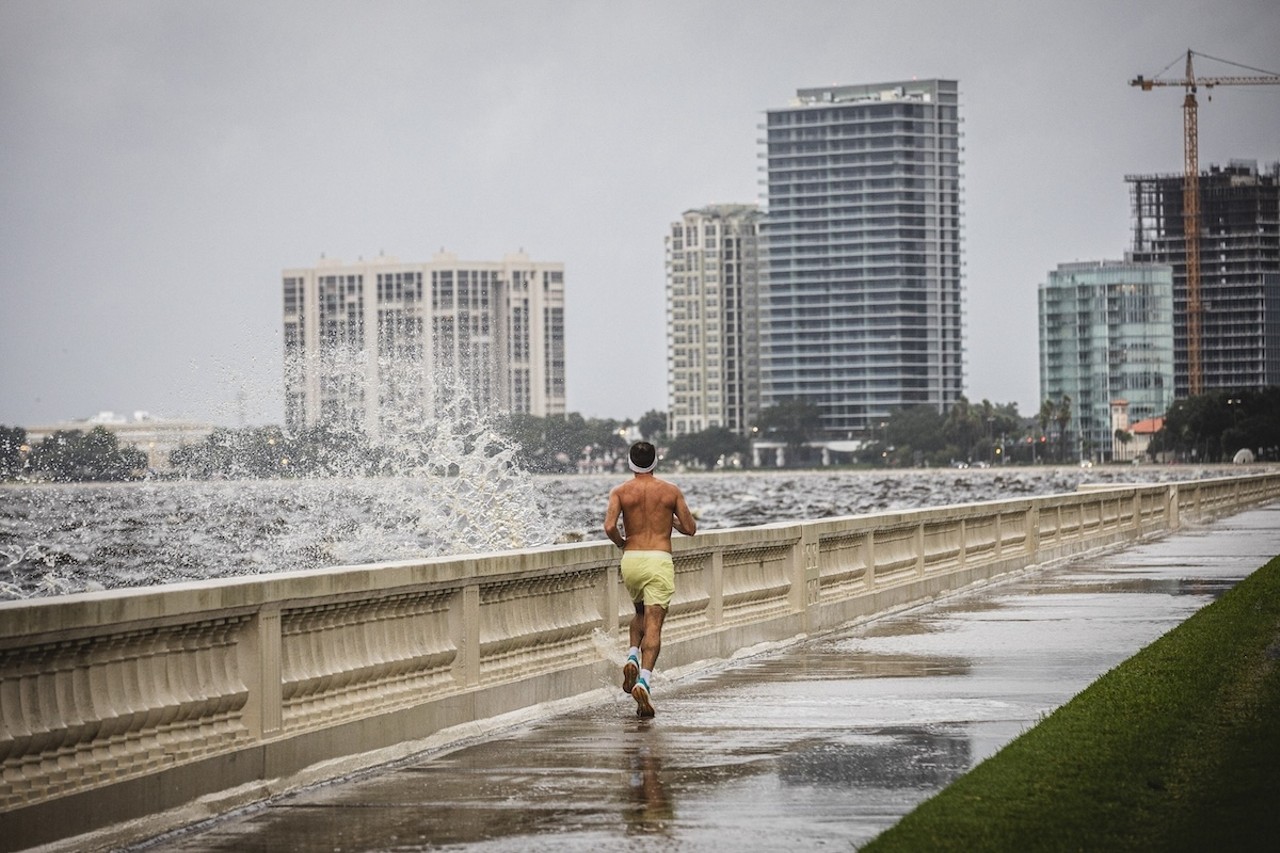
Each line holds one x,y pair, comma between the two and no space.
649,510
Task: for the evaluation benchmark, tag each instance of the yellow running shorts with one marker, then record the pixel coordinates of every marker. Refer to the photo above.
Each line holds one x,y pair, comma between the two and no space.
650,576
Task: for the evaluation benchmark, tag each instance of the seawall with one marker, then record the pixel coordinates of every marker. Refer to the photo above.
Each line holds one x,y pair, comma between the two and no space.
119,705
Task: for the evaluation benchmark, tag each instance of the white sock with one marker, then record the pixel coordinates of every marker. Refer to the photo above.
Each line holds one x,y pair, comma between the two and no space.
645,675
634,652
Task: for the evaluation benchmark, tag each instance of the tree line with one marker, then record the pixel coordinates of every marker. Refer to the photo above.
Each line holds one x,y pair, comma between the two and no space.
984,433
69,456
1213,427
1207,428
545,445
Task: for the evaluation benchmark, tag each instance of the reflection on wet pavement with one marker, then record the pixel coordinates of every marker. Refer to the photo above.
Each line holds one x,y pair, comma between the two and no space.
649,810
826,742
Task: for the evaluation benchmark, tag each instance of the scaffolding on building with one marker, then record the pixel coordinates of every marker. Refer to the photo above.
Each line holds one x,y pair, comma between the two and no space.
1239,243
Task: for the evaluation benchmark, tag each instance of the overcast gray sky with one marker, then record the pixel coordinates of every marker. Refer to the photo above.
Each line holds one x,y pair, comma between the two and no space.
162,162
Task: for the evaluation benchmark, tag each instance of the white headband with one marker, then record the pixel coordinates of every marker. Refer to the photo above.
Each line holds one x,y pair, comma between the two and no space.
639,470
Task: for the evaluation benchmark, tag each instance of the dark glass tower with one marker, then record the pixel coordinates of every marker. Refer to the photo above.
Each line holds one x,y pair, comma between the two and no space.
861,246
1239,269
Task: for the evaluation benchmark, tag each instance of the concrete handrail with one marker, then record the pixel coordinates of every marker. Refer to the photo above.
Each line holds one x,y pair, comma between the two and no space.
118,704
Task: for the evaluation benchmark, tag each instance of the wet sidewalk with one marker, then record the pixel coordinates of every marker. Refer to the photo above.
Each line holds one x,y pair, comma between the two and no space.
819,744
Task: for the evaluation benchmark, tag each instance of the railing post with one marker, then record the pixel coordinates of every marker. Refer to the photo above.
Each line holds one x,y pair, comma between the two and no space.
919,545
869,557
715,589
259,663
805,584
1033,531
468,635
796,569
610,598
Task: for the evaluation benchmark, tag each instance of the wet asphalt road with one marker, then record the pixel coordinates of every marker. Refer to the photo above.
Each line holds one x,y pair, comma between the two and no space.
817,745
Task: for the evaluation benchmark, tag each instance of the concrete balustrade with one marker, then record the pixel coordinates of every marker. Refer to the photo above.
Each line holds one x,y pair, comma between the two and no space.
116,705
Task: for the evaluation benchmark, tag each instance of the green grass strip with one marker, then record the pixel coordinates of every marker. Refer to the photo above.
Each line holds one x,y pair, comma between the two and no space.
1177,748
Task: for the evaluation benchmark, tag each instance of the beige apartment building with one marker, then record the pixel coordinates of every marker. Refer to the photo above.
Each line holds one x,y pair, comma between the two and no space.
379,342
713,319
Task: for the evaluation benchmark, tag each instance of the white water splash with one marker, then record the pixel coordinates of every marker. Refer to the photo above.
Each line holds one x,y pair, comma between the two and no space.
447,484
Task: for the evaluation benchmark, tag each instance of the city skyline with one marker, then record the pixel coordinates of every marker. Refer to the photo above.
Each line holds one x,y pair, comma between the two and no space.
161,163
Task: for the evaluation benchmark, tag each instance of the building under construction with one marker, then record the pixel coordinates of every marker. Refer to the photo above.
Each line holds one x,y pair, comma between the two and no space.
1239,269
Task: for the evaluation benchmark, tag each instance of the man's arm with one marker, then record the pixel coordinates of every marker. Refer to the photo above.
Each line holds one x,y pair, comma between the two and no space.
611,516
684,520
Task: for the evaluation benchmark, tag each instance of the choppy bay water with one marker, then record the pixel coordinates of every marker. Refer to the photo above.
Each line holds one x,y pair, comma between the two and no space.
58,539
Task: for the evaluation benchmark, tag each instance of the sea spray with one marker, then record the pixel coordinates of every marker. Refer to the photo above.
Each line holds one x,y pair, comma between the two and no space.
610,648
446,482
57,538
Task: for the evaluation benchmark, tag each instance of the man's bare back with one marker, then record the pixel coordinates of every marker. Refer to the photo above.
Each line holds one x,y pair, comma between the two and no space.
649,509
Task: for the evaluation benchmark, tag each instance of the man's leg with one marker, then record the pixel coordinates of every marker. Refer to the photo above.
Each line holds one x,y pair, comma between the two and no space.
631,669
651,635
637,626
650,646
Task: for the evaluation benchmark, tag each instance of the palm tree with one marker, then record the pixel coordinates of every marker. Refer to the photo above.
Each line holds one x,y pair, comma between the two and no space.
1062,416
1044,418
961,428
1124,437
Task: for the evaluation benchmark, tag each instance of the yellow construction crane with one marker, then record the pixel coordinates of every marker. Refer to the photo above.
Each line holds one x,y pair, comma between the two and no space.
1191,190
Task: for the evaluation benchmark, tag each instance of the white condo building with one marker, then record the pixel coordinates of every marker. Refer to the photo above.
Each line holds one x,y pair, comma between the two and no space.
713,343
862,248
379,341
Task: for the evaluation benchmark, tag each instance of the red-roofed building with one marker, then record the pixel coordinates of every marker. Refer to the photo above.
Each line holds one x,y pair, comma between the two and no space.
1143,431
1140,433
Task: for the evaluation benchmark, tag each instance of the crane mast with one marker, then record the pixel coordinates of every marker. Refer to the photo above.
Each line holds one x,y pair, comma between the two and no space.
1191,201
1191,233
